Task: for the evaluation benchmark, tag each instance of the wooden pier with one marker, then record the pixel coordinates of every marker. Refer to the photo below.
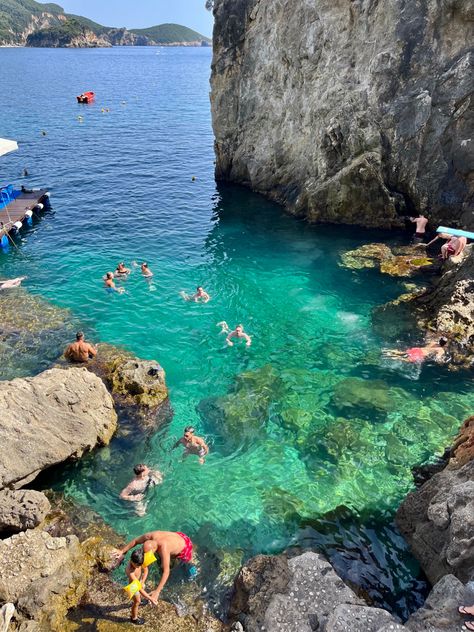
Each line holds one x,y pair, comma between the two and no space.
17,210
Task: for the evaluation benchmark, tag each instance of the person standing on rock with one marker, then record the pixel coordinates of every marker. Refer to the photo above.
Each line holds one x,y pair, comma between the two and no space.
420,222
137,574
166,544
80,351
137,488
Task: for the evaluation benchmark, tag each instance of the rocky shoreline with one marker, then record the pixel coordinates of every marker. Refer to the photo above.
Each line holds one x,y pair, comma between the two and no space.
51,559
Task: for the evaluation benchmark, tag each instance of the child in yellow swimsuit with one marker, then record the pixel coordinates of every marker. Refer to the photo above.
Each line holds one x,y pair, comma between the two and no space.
137,574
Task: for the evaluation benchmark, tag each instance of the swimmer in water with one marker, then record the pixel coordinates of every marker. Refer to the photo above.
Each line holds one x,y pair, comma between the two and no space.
192,444
201,295
121,270
237,333
147,273
136,490
80,350
9,283
434,350
110,285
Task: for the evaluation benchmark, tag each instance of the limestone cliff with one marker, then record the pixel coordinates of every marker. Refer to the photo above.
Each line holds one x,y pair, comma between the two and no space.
347,111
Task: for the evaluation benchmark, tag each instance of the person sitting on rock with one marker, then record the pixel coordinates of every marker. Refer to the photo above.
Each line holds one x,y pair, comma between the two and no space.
80,351
201,295
166,544
420,222
469,611
136,490
192,444
434,350
137,574
453,246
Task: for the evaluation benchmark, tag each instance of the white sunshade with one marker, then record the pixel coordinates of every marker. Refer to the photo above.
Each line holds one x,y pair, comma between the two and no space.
7,146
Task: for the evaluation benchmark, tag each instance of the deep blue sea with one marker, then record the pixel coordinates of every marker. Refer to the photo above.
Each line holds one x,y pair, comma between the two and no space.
298,453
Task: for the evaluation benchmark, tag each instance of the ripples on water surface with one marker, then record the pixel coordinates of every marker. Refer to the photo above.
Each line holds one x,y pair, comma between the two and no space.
286,445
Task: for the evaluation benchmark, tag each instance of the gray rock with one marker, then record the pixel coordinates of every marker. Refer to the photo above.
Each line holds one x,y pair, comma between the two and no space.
57,415
36,570
347,112
6,613
358,619
22,509
440,611
298,595
438,522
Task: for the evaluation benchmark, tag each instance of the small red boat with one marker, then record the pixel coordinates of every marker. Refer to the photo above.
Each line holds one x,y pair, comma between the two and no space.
86,97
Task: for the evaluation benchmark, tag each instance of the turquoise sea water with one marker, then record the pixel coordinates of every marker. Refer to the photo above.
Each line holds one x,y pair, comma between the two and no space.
312,437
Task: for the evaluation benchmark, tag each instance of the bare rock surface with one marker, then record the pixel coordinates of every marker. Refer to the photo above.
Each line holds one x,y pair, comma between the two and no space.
41,575
440,611
295,595
347,112
22,509
47,419
358,619
438,522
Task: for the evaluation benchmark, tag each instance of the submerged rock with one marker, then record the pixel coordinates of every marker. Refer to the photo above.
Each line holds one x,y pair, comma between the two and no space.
366,256
21,509
346,112
401,262
47,419
32,333
355,394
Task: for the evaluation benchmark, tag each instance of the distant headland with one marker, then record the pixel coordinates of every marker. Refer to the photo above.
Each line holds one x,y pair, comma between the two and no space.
47,25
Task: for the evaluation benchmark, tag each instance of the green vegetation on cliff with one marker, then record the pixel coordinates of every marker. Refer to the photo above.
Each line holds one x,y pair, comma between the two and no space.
170,33
58,35
17,15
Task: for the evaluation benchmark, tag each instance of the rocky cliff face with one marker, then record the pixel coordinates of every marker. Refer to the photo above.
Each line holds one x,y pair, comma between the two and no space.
347,111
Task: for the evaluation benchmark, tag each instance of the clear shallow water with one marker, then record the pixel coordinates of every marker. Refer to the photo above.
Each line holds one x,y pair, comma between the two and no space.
298,435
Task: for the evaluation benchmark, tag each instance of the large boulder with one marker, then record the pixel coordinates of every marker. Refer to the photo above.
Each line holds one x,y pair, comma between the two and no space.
440,611
47,419
42,576
296,595
438,522
21,509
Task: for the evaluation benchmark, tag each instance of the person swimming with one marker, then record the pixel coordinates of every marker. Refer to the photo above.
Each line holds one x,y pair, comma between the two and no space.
110,285
121,270
200,295
192,444
146,270
434,350
237,333
136,490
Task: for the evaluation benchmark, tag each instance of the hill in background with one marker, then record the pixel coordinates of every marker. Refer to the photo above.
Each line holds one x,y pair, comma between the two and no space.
30,23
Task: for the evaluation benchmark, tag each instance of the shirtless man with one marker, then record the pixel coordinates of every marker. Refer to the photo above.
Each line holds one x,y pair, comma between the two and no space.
239,334
192,444
110,284
420,222
80,351
146,270
434,350
137,488
201,295
166,544
9,283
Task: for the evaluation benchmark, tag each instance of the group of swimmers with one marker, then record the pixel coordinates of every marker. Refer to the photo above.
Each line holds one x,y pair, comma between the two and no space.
122,272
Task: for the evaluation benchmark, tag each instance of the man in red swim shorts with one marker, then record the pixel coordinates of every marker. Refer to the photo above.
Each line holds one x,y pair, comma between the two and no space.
166,544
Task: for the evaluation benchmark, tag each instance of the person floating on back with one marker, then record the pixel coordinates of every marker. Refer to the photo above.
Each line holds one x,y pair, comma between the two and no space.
9,283
166,544
137,574
434,350
110,284
420,231
80,351
192,444
136,490
200,296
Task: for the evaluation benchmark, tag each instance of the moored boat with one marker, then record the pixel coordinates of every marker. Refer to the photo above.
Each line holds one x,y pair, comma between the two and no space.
86,97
